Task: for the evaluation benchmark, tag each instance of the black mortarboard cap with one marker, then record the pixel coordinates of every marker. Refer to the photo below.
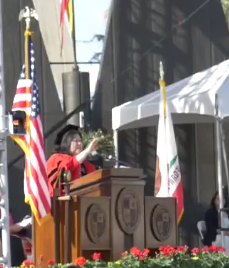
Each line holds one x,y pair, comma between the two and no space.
63,131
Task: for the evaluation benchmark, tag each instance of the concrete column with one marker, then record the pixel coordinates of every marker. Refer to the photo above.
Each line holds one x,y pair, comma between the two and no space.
85,98
71,94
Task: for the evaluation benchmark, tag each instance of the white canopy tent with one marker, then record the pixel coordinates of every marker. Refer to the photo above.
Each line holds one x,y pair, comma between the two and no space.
191,100
200,98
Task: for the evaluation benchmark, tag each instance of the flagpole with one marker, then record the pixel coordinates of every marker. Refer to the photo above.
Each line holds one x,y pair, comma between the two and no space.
27,34
162,85
115,137
27,14
225,160
219,166
4,203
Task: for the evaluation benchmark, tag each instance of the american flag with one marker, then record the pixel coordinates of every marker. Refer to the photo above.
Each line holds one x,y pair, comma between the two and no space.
32,143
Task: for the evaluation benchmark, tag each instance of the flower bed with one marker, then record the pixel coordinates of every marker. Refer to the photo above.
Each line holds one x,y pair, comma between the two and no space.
166,257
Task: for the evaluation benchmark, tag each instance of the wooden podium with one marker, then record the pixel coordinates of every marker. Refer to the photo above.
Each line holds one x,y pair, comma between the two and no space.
106,212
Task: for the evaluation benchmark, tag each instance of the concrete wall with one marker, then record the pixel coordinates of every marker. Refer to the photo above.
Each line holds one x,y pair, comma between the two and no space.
47,48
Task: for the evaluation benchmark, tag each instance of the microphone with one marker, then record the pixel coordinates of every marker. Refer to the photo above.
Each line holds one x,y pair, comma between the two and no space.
120,163
94,153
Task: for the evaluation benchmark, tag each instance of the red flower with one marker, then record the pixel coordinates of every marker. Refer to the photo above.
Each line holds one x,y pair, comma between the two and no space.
171,249
221,249
166,254
182,249
135,251
195,251
81,261
146,251
51,262
96,256
167,251
123,254
205,249
41,257
142,258
216,249
27,263
162,248
213,249
142,255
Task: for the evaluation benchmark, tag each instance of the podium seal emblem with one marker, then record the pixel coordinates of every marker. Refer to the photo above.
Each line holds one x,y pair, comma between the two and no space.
128,210
161,223
95,222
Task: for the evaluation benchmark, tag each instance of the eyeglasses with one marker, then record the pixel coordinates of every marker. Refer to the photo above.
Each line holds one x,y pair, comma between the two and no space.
77,141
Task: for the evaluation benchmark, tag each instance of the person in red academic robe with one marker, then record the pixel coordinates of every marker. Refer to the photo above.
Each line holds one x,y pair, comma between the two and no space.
69,154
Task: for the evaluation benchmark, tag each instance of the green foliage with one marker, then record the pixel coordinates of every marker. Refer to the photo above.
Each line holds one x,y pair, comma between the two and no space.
106,144
225,5
207,257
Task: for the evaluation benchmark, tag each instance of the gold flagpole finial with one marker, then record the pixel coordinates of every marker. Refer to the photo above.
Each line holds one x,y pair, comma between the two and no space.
27,14
161,70
162,84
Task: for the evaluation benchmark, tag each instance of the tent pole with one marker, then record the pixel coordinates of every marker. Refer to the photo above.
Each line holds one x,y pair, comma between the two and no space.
115,136
225,158
219,165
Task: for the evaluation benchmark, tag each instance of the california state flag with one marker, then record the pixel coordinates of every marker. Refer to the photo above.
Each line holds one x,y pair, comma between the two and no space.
168,176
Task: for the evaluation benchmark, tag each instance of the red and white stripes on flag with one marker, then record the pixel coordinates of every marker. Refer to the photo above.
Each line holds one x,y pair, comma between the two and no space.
27,99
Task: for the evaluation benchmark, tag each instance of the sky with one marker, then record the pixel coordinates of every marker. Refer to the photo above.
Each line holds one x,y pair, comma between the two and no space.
90,19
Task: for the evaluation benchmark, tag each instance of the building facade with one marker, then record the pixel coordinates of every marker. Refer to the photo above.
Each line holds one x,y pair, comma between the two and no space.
139,35
49,74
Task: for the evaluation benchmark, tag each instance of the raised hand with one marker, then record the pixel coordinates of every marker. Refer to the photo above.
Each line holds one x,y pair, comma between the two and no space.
93,145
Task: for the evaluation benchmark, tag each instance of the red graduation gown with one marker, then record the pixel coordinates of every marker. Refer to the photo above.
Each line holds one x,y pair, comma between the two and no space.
58,161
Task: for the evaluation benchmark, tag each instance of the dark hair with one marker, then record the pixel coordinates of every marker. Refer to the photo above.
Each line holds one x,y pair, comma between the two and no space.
225,194
213,199
64,147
